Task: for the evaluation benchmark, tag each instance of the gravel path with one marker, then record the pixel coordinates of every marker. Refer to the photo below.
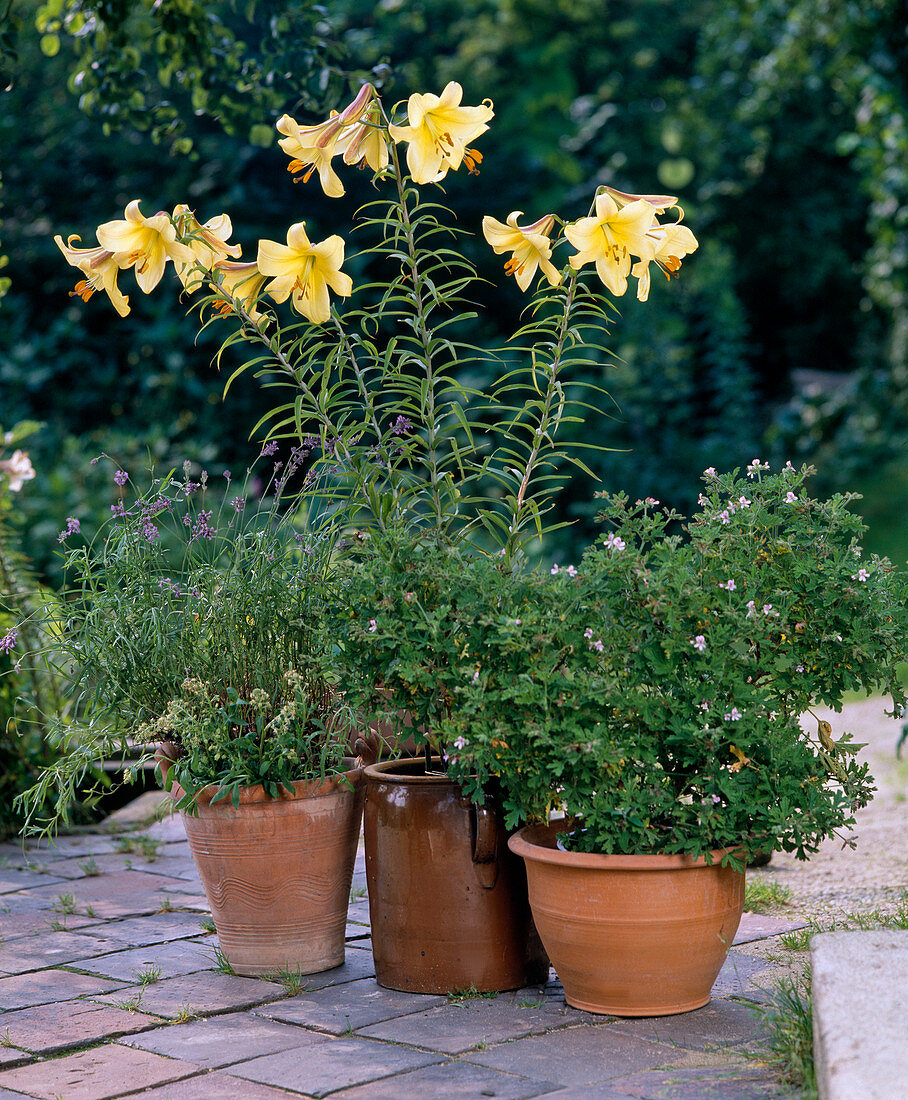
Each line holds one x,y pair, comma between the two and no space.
837,881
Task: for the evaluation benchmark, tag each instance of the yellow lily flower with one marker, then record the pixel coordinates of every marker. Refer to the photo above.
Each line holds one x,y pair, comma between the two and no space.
208,244
661,203
609,237
314,147
529,244
243,282
365,142
672,242
100,269
147,243
438,132
306,271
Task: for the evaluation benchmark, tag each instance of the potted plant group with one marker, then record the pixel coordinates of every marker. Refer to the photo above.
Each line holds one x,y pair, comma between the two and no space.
197,626
644,722
379,391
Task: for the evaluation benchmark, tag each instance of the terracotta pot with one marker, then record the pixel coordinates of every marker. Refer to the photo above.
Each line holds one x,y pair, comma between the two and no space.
631,935
447,900
277,871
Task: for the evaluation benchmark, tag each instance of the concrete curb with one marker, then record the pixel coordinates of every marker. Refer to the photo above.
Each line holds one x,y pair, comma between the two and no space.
860,1005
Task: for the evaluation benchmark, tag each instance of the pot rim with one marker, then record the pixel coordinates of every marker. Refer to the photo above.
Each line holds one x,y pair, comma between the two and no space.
538,843
302,788
387,771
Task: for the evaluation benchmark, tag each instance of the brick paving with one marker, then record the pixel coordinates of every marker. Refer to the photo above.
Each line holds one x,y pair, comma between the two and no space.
109,987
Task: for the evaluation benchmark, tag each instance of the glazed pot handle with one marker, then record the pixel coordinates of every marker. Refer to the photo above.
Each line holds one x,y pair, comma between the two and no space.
485,845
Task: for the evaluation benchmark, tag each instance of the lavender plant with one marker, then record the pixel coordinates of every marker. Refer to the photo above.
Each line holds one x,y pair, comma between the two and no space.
200,625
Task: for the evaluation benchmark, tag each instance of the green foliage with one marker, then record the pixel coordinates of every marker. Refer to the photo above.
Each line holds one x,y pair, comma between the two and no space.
173,595
31,690
788,1021
150,65
654,692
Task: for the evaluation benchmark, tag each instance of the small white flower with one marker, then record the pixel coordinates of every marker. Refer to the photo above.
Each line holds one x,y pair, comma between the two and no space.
756,466
751,608
615,542
651,501
744,502
710,472
799,668
790,498
729,585
861,575
724,517
554,570
767,608
460,743
699,643
475,679
373,626
588,633
571,571
733,715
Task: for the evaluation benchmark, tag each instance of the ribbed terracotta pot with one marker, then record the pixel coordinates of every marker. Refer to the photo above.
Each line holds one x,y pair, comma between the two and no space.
631,935
447,900
277,871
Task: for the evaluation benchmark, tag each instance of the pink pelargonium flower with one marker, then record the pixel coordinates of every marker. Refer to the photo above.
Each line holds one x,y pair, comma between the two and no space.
699,643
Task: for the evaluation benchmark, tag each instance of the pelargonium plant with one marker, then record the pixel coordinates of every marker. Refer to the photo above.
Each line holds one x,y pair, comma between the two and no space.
375,374
661,706
199,624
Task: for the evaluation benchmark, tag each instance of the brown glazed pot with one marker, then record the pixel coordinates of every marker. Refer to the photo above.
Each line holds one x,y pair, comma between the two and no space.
277,871
631,935
447,900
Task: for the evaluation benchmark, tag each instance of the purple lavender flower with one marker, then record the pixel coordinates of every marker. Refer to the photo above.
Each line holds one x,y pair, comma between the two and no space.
118,509
238,504
401,426
121,477
9,639
72,528
227,475
202,528
268,449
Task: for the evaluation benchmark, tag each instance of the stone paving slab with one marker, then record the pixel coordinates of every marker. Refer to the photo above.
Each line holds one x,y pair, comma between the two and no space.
97,1074
759,926
46,986
177,924
204,994
171,959
698,1083
223,1040
717,1026
579,1055
19,878
173,865
448,1081
455,1028
216,1086
331,1064
119,894
357,964
169,829
50,949
737,974
26,922
348,1007
52,1027
13,1056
